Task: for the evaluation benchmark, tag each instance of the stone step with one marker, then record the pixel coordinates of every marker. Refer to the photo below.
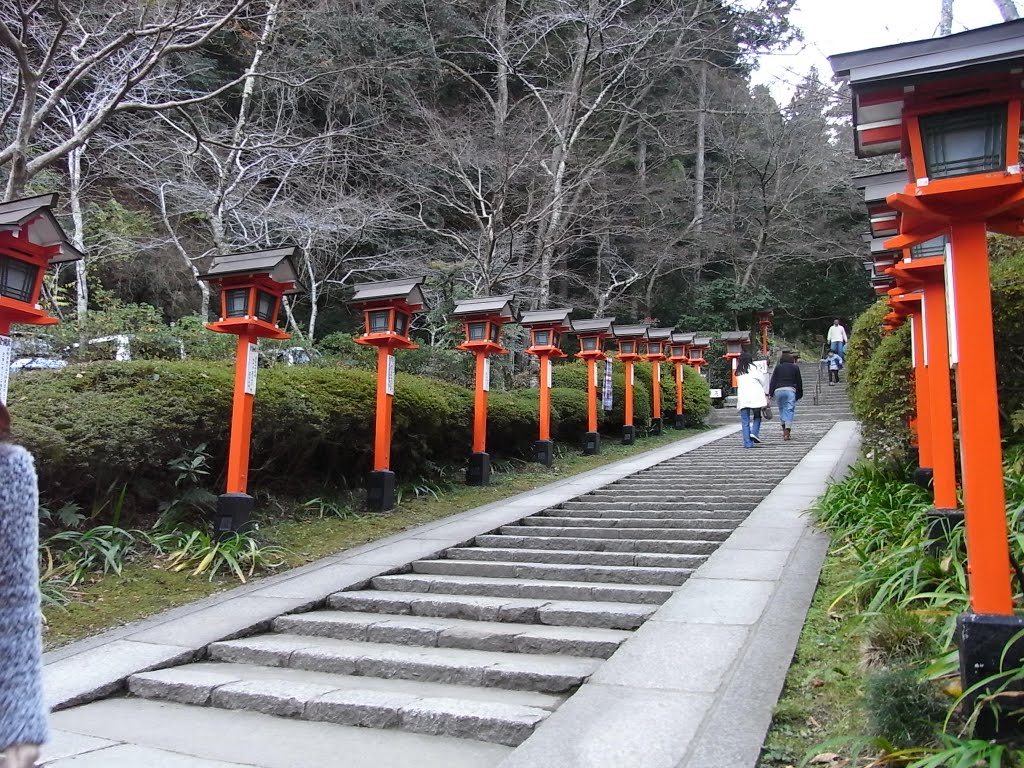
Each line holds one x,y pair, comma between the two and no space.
428,708
675,534
664,504
569,613
613,520
531,672
575,557
611,574
435,632
140,733
499,587
585,544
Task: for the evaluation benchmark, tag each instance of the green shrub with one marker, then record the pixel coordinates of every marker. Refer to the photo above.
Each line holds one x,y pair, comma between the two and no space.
898,635
903,709
865,336
883,399
574,376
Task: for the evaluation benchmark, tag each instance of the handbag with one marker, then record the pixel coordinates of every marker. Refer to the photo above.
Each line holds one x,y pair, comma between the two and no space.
766,413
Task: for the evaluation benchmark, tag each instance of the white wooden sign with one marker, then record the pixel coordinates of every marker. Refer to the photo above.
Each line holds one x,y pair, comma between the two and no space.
593,375
252,363
389,384
716,394
913,340
657,371
486,384
632,376
551,375
5,366
924,329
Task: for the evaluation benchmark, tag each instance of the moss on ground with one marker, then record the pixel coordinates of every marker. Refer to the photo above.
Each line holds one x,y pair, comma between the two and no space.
146,587
823,691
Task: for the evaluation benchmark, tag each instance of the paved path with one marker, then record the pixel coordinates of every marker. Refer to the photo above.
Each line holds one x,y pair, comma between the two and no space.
641,614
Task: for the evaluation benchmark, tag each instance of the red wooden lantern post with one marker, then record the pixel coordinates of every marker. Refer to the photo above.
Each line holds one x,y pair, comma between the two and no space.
388,307
482,319
734,342
764,321
250,287
30,241
632,345
546,327
680,356
592,335
922,268
698,348
951,107
658,340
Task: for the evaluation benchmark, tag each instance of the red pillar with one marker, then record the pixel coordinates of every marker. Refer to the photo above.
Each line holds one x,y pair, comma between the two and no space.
382,437
940,397
679,389
591,395
921,390
480,406
628,404
241,420
545,398
981,457
656,389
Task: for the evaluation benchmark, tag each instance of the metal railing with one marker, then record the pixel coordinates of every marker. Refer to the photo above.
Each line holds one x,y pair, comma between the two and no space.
822,372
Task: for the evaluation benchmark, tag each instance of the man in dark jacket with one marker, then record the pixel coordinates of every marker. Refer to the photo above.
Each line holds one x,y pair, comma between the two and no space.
786,386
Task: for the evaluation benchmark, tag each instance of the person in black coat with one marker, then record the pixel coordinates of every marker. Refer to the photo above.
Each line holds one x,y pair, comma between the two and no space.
786,386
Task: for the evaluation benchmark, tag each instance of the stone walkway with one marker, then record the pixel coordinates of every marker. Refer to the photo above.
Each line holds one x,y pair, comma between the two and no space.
641,614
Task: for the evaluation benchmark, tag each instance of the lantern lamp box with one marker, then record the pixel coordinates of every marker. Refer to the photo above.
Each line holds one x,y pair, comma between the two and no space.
546,327
483,318
388,307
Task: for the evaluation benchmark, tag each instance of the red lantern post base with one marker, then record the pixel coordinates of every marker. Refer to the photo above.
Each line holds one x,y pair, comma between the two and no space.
628,434
591,443
544,452
233,515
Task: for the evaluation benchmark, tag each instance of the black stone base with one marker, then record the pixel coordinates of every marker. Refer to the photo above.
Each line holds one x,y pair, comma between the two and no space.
628,435
923,477
544,452
478,471
983,639
233,515
380,490
679,421
941,523
591,443
656,426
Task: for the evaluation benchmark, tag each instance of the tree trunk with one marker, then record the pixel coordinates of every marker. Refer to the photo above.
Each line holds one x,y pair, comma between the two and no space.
78,236
698,169
946,18
1008,9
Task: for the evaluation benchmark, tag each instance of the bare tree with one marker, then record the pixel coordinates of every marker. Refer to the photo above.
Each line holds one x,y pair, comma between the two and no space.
51,52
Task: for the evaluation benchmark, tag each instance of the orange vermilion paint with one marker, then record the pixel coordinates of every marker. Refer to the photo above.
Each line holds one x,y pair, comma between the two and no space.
241,420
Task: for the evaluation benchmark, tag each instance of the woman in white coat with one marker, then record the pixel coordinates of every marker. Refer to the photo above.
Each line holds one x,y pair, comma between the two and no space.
751,385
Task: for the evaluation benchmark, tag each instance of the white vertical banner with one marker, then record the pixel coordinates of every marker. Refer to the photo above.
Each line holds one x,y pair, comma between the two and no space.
913,340
252,365
632,375
389,382
657,371
5,366
551,374
485,385
593,375
954,351
924,328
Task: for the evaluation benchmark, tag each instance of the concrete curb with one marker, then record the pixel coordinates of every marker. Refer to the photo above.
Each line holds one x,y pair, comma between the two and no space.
97,666
696,685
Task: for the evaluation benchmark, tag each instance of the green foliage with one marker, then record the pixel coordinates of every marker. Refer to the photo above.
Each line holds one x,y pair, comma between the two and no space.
865,336
238,554
897,635
104,548
1007,277
903,709
883,397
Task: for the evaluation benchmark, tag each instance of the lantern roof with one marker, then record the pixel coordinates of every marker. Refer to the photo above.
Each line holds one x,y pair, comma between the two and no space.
878,186
489,306
659,334
702,341
43,228
630,331
275,263
556,317
682,338
595,325
878,246
880,78
407,289
735,335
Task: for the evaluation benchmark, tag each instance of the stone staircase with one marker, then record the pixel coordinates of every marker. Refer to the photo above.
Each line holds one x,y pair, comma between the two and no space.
833,402
486,640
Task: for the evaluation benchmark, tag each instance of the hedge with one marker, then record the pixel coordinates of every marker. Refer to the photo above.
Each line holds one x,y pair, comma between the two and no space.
99,426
